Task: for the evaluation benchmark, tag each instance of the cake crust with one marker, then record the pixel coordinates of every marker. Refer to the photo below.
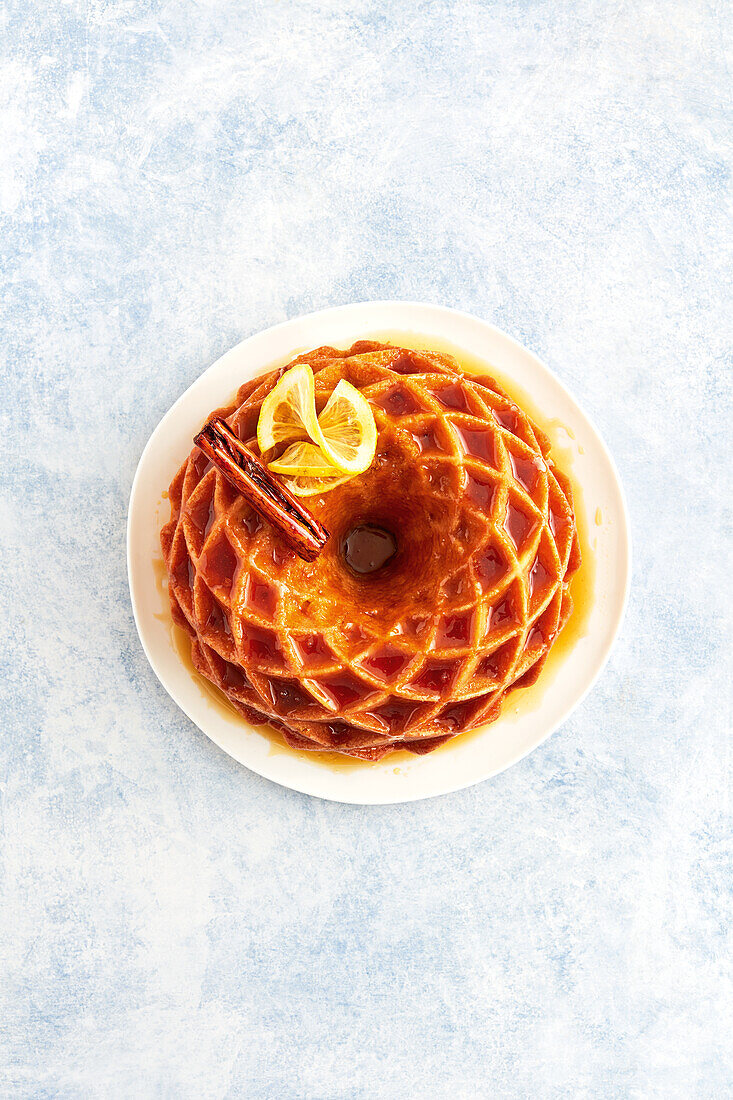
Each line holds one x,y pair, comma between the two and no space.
424,649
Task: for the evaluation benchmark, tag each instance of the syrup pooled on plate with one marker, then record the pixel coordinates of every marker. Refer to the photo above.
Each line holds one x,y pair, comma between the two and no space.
443,586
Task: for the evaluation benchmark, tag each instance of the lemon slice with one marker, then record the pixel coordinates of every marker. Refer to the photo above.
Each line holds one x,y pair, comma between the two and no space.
304,486
289,411
303,460
343,438
347,433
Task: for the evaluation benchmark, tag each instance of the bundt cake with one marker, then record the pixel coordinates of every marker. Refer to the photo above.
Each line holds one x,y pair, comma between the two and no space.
442,587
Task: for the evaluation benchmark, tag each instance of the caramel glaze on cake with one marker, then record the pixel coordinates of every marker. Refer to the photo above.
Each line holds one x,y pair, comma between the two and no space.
441,589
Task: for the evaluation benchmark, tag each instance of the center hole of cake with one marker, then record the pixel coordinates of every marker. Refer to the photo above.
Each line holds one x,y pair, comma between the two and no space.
368,548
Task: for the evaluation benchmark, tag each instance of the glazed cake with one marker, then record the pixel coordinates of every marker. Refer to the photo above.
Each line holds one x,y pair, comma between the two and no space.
442,587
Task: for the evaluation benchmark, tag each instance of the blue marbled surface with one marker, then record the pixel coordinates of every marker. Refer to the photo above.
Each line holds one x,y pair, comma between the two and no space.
175,176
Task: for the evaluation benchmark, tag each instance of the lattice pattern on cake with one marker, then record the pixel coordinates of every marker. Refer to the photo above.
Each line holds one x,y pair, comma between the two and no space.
425,649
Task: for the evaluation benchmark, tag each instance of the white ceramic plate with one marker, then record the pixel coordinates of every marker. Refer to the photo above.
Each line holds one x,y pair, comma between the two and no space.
530,716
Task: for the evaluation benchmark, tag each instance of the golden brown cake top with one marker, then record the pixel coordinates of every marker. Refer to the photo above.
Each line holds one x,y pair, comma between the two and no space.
466,607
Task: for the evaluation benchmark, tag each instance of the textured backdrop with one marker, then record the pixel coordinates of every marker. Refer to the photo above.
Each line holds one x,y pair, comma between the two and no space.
175,176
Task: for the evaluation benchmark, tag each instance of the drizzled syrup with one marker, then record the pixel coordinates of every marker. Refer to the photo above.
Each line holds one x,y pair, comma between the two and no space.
368,548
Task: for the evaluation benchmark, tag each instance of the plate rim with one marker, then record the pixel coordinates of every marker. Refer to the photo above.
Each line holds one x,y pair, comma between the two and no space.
449,314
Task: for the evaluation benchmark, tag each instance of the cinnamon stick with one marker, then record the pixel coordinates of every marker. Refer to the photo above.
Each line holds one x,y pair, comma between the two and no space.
268,496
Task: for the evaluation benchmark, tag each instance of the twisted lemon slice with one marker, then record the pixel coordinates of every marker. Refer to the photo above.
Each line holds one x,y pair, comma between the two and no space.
303,459
289,412
347,429
304,485
344,436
